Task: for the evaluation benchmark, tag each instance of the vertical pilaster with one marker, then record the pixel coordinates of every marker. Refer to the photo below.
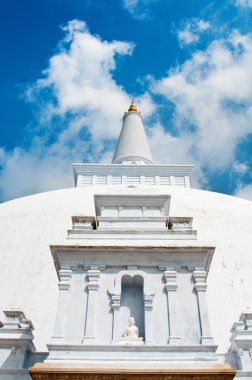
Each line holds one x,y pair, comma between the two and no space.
94,180
170,276
92,286
172,180
148,306
200,287
115,304
65,275
187,181
157,180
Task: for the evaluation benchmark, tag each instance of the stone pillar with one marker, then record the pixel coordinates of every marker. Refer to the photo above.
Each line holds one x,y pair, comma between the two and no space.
170,276
92,286
65,275
148,306
115,304
200,287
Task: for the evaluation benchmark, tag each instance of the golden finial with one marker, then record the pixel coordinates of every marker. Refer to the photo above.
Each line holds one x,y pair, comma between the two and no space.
132,107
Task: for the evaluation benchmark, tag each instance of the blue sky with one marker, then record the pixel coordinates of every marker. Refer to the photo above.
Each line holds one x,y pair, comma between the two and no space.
70,67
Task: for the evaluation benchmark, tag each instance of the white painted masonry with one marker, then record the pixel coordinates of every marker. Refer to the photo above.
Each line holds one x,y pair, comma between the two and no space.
30,224
132,145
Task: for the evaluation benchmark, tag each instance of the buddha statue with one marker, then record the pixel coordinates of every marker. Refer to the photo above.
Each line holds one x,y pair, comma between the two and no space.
131,334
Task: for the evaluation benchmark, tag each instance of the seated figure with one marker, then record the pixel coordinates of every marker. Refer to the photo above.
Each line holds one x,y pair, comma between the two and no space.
131,334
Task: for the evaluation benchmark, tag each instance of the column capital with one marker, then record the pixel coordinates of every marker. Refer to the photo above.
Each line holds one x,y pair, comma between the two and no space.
200,276
65,275
93,274
93,278
170,275
115,301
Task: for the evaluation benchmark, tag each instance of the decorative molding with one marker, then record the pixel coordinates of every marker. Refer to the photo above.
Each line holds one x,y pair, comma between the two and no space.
162,174
65,276
15,340
158,257
148,301
170,276
93,278
147,289
180,223
134,217
241,343
145,202
83,222
115,301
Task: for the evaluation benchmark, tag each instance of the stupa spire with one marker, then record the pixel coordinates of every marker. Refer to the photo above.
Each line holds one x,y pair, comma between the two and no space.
132,146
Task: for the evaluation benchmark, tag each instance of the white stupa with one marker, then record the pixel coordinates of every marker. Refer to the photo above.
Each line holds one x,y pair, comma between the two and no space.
132,273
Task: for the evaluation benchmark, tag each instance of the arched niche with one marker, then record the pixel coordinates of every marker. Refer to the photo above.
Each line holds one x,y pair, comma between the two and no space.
132,301
127,284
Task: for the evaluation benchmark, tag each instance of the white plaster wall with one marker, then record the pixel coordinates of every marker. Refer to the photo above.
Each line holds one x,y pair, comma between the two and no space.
28,225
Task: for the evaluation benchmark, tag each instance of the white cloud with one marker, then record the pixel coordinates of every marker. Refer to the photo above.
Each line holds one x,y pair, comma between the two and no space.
79,106
203,25
244,192
192,30
81,80
212,94
240,167
244,3
139,9
187,37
